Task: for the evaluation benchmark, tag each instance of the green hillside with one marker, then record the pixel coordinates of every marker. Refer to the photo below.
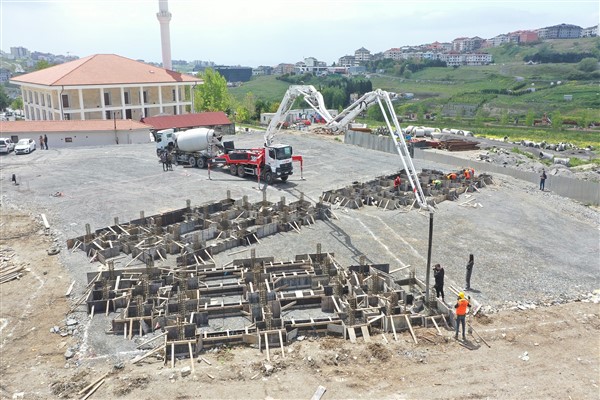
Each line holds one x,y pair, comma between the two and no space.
500,94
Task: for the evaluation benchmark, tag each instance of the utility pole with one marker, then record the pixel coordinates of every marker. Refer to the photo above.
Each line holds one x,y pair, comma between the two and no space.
428,259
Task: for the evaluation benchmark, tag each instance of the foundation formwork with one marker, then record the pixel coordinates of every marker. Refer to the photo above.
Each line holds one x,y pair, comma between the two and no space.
269,301
258,301
437,187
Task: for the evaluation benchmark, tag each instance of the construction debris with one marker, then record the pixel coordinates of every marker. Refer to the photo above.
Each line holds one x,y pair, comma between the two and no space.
9,267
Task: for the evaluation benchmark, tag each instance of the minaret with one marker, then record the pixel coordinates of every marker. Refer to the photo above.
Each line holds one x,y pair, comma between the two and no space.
164,17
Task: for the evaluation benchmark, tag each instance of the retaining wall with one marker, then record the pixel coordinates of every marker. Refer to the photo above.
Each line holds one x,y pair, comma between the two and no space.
585,192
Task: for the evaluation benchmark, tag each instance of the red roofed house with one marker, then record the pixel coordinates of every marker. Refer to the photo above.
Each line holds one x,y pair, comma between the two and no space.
213,120
104,86
62,134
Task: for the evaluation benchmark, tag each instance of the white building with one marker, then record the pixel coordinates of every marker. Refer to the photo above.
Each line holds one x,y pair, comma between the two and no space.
104,86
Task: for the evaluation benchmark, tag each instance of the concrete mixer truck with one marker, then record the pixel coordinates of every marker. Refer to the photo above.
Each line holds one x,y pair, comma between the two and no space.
194,147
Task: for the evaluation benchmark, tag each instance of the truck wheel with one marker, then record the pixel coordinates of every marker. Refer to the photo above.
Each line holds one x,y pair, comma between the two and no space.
284,178
269,177
241,171
201,163
233,169
192,162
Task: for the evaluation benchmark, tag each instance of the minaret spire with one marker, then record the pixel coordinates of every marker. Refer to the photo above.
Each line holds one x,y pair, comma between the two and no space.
164,17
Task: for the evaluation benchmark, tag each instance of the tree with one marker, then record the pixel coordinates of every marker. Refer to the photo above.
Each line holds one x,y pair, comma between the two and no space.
17,104
557,120
213,94
529,118
504,118
42,64
588,64
4,100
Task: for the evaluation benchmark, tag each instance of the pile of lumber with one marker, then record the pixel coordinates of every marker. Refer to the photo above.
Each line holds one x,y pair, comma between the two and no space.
458,145
9,269
10,272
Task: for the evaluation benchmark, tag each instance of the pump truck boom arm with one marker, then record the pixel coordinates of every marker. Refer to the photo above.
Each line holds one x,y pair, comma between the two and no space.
384,100
311,95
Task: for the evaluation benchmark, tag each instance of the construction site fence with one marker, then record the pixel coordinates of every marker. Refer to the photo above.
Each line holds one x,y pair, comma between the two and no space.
586,192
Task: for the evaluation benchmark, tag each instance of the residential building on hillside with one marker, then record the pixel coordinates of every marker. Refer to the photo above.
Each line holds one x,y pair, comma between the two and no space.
592,31
19,52
465,44
362,55
262,70
469,59
104,86
498,40
439,47
394,53
562,31
310,65
347,61
524,36
4,75
283,68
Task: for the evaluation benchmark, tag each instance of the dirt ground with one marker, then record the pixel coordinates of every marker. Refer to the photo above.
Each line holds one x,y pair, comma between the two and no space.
539,353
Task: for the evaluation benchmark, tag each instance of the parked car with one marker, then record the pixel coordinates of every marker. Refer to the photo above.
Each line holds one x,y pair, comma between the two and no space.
6,145
25,146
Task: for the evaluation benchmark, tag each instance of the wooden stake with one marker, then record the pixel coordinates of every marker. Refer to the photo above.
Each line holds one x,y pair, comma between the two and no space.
85,389
172,355
267,347
393,328
191,356
93,390
281,343
436,326
411,329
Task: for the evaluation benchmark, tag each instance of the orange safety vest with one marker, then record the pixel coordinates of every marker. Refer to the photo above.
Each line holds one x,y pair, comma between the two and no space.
462,307
467,174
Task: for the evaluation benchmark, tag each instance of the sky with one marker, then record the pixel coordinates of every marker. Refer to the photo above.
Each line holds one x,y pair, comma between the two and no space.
268,32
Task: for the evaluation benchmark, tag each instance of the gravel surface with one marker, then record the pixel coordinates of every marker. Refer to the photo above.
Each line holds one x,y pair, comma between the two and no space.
531,248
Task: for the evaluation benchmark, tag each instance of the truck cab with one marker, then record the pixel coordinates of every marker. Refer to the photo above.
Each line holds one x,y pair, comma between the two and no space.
164,139
278,157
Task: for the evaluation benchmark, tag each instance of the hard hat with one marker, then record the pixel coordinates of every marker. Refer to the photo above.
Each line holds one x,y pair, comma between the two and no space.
461,295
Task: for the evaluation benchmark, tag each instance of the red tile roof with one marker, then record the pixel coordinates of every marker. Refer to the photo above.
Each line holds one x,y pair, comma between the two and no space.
70,126
102,69
188,120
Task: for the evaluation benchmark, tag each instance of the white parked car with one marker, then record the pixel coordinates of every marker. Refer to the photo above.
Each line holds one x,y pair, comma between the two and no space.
6,145
25,146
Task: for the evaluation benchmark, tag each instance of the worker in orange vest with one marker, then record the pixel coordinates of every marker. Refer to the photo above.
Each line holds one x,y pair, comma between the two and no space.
461,308
451,176
467,173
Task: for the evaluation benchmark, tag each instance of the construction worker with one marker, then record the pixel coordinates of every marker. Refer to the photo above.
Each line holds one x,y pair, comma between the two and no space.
467,173
461,308
437,184
438,274
397,183
451,176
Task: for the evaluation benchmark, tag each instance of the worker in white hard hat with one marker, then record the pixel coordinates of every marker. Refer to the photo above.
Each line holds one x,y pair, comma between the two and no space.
461,308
